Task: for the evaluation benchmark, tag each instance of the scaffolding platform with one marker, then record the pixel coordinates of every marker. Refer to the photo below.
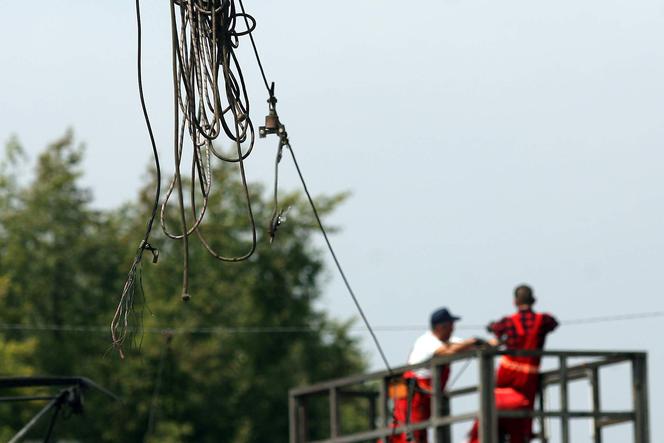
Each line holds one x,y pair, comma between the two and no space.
324,408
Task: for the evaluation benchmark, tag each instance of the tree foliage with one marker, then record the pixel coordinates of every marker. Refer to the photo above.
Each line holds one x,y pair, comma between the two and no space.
63,263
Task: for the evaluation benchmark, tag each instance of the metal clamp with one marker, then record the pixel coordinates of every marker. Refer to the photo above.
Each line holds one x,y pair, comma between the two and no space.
272,123
148,247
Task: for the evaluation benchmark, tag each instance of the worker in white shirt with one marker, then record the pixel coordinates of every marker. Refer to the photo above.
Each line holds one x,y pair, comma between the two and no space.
433,343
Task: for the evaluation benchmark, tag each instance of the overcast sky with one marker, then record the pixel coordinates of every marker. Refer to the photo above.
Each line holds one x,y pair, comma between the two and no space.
486,143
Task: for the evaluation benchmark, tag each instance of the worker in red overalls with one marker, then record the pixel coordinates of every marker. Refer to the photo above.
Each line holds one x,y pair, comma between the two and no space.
517,378
435,342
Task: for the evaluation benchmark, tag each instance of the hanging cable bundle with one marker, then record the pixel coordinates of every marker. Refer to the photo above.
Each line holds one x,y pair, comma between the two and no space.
121,326
210,101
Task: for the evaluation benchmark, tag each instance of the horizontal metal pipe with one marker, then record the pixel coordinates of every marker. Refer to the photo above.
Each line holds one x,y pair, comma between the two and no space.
361,394
386,432
523,413
549,377
25,382
395,373
26,398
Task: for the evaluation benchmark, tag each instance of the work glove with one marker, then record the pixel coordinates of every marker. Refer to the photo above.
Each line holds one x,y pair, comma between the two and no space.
479,341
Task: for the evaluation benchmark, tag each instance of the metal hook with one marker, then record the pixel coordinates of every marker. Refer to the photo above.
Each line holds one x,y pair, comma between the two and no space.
155,252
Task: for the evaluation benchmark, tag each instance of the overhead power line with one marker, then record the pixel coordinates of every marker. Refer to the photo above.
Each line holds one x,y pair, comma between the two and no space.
612,318
219,330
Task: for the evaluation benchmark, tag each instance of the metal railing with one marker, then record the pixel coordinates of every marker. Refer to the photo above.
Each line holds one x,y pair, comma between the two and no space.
374,389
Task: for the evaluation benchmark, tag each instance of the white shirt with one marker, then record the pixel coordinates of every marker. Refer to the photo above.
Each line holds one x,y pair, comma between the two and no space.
423,349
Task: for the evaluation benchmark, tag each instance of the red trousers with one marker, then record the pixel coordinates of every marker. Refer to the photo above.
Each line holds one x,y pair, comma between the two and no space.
514,390
420,411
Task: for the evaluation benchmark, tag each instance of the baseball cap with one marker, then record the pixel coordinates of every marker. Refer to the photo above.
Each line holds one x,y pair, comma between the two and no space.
442,315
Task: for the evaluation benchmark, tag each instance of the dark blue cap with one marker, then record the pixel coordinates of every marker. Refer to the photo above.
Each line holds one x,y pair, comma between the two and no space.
442,315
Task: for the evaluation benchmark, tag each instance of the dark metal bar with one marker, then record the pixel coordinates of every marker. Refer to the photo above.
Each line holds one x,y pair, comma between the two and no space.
640,399
445,411
488,420
27,398
436,397
387,431
616,417
292,419
411,383
564,400
462,391
27,382
610,421
543,425
359,378
579,372
335,419
568,354
523,413
51,424
303,421
25,429
357,393
593,375
372,412
383,410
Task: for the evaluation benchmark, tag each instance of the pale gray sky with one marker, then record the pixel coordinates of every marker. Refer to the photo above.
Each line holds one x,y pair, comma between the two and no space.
486,143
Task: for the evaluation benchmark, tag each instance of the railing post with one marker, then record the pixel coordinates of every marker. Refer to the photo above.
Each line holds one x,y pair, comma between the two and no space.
640,398
437,401
440,406
544,429
335,422
488,420
372,411
445,410
593,376
292,419
297,419
564,401
383,410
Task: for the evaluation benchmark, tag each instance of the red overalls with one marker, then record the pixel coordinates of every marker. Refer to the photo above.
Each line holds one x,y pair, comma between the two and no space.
420,406
517,382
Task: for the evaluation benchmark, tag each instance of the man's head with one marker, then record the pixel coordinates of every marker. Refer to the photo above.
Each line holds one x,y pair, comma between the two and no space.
442,324
523,296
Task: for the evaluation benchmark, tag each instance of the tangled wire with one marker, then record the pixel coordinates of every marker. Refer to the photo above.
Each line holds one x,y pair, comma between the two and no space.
210,101
203,54
205,35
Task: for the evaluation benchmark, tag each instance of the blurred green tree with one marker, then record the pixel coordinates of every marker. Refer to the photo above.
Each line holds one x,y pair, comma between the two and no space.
63,263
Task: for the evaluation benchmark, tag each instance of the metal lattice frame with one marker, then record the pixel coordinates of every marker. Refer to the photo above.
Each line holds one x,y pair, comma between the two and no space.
70,394
441,418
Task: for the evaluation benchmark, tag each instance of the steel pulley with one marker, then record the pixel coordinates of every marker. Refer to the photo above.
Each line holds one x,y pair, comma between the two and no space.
272,123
